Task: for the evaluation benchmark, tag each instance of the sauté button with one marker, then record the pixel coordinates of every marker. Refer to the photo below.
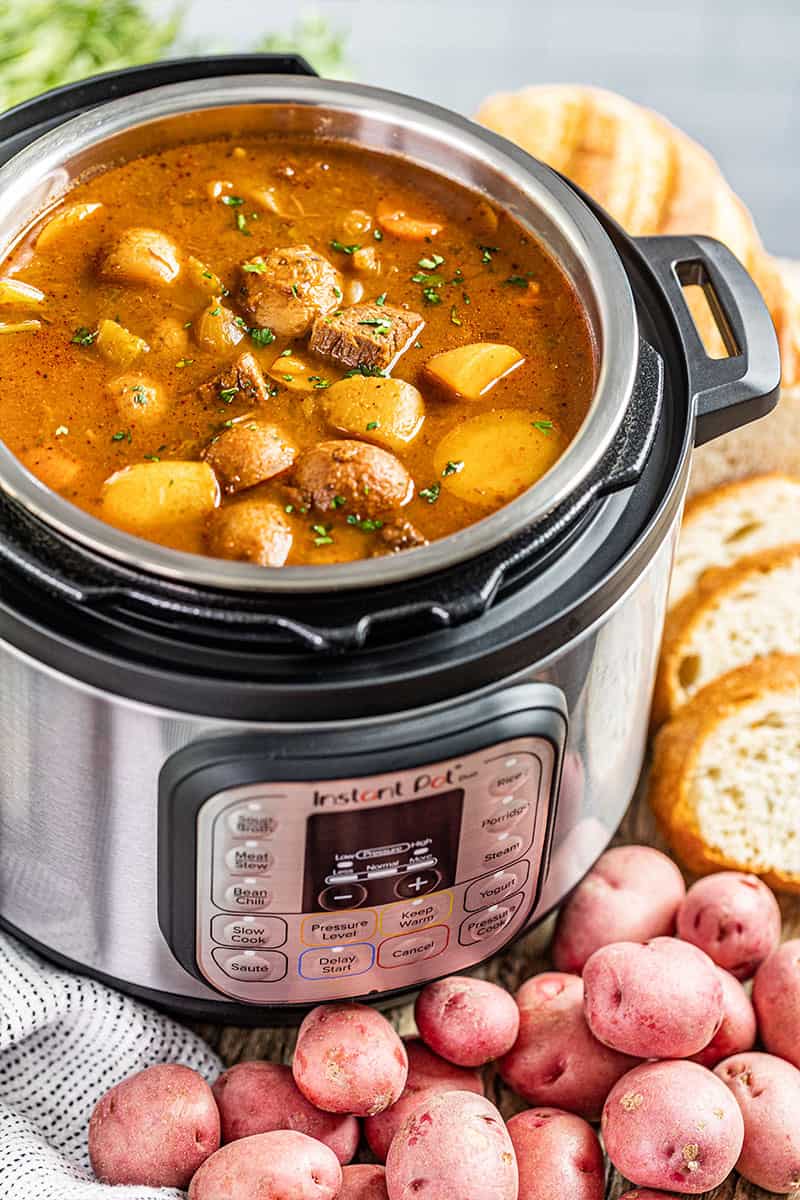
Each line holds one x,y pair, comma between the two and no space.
252,966
511,775
252,819
247,894
496,887
249,858
411,915
417,883
345,927
489,922
342,895
251,932
409,948
336,961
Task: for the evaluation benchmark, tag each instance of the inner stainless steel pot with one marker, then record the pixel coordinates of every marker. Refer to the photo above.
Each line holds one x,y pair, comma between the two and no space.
38,176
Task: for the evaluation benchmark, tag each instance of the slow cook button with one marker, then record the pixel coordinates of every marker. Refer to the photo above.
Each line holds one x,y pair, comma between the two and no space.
494,888
249,858
407,949
417,914
511,776
336,961
506,815
324,930
251,932
252,966
487,924
246,895
252,820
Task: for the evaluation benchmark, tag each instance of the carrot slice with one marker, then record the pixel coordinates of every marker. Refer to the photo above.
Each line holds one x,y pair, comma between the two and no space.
395,220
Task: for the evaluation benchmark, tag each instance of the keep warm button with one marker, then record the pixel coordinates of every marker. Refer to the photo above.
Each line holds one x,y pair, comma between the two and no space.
482,926
407,949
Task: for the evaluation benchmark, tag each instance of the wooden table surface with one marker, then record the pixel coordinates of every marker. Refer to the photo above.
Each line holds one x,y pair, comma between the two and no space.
526,957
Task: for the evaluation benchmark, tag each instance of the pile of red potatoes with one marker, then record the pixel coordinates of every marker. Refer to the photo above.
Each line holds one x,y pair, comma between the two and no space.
645,1026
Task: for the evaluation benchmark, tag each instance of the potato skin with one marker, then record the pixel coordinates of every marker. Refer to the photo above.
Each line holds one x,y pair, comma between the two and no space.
467,1021
250,531
389,412
659,1000
556,1061
776,999
558,1155
734,917
154,1129
257,1097
737,1032
281,1165
631,894
427,1074
668,1125
452,1144
371,481
363,1181
141,256
348,1059
249,453
767,1090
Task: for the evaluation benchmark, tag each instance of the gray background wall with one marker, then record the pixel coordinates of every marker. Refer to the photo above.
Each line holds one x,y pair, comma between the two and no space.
728,71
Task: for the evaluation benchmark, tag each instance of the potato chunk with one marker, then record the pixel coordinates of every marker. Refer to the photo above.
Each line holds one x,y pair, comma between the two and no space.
251,531
141,256
389,412
148,497
217,327
64,221
52,466
469,372
287,288
117,344
296,373
140,401
360,480
493,457
202,277
249,453
14,291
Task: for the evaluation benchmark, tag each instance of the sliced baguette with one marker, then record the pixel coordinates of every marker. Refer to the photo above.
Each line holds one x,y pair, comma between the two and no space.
736,615
732,522
725,783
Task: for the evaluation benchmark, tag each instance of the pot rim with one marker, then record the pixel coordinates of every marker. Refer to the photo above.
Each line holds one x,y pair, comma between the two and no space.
574,237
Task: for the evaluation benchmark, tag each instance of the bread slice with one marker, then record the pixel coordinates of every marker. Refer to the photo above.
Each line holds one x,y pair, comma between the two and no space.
732,522
735,615
725,783
771,444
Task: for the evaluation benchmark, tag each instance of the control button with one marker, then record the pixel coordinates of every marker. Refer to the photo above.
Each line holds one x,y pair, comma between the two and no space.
412,948
504,848
342,895
252,932
417,914
511,776
247,894
336,961
348,927
249,858
489,922
252,819
494,888
417,883
252,966
507,815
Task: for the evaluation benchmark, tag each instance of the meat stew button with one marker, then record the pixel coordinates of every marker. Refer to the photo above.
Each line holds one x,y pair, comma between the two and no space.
252,966
409,948
489,922
249,858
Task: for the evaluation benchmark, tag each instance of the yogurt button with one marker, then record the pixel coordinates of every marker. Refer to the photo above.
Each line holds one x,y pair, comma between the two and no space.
489,922
249,858
252,966
496,887
511,776
413,947
337,961
252,819
247,894
249,932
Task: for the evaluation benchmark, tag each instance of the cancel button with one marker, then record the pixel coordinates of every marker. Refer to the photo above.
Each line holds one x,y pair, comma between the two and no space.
410,948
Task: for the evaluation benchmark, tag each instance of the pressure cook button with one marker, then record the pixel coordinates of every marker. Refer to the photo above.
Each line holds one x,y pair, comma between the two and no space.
417,883
489,922
249,858
247,894
410,948
336,961
332,930
251,932
506,815
252,819
513,773
252,966
342,895
411,915
494,888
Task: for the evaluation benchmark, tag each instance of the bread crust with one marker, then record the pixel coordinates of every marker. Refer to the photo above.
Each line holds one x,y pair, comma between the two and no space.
678,745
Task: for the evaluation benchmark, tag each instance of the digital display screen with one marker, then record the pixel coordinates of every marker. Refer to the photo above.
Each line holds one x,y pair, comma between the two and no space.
380,854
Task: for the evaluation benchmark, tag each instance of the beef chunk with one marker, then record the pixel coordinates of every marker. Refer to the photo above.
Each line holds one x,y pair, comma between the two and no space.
286,289
401,535
366,335
242,380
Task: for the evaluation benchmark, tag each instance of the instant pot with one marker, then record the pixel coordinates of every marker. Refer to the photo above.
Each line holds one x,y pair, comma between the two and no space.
237,791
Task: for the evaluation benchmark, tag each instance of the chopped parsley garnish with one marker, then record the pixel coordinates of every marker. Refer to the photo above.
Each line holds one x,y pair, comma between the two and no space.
295,292
287,378
240,321
431,262
368,370
83,336
215,311
139,394
422,277
455,319
431,494
458,276
228,394
431,295
338,501
256,266
465,298
542,426
487,252
344,249
319,383
288,508
241,224
382,326
517,281
376,233
372,425
232,202
285,353
381,300
365,524
151,458
184,362
122,435
187,324
452,468
323,537
263,336
337,293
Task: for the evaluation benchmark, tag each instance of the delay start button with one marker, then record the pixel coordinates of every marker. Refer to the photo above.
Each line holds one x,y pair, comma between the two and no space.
330,930
252,966
488,923
336,961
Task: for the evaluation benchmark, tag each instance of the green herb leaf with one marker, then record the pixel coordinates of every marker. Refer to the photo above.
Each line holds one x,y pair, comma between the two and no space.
431,262
487,252
241,224
378,235
431,295
455,319
228,395
184,362
431,494
338,501
342,249
232,201
372,425
381,300
122,435
368,370
83,336
381,327
452,468
263,336
365,524
256,266
542,426
517,281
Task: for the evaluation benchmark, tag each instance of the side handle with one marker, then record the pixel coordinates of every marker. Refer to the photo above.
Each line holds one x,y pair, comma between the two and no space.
728,392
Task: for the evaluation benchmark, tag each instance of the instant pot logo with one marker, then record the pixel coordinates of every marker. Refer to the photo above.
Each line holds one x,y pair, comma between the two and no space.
398,789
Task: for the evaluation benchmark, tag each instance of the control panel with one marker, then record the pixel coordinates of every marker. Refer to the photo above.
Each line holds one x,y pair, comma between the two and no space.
317,889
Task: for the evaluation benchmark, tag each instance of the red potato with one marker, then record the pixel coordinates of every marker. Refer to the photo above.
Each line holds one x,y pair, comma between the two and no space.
659,1000
776,999
453,1144
281,1165
672,1126
558,1154
363,1181
154,1129
631,894
257,1097
349,1059
467,1021
428,1074
738,1029
555,1060
767,1090
648,1194
733,917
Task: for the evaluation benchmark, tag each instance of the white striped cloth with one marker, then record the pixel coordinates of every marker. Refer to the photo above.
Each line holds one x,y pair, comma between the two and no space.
64,1040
